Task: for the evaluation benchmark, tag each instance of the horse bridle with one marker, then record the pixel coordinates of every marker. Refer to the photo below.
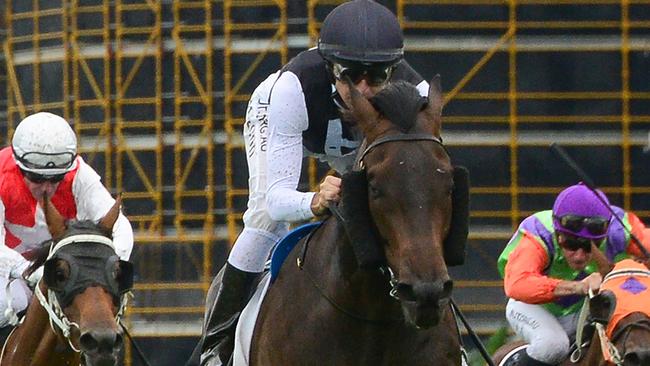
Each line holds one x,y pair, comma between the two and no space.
385,269
359,165
51,303
401,137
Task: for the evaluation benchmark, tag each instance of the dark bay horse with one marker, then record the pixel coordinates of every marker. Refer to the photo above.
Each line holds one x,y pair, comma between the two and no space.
370,286
622,310
74,313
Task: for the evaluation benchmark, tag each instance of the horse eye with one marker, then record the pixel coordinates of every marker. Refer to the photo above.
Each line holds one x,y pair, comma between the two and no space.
61,273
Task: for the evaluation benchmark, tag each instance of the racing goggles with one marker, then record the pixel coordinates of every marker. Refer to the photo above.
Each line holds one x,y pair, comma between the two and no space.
594,225
37,160
374,75
39,178
574,243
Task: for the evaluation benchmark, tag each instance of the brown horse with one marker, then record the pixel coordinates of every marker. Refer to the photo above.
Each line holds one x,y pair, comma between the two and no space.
74,313
371,286
621,309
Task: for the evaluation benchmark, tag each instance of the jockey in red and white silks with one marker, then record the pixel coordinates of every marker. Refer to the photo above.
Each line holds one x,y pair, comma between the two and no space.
43,161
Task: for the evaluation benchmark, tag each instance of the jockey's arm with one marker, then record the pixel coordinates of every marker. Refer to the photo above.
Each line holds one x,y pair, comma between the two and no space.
93,201
12,263
287,120
566,288
524,279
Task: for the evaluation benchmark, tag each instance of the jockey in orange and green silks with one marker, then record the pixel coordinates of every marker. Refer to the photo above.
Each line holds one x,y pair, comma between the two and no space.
540,227
552,261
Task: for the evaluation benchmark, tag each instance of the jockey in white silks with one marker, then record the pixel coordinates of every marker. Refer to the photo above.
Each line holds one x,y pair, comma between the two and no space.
43,162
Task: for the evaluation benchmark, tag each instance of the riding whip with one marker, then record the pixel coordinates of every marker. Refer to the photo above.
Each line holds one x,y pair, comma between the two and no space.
559,150
470,331
135,345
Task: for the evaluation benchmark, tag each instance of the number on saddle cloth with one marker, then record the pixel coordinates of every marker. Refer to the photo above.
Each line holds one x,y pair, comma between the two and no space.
284,246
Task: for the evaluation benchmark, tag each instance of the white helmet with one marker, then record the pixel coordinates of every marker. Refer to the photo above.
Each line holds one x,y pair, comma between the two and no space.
45,144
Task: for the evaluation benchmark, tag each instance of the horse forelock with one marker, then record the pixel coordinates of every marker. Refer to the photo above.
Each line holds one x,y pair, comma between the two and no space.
400,102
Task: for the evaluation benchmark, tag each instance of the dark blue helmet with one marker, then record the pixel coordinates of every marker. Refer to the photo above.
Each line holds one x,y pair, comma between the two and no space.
361,31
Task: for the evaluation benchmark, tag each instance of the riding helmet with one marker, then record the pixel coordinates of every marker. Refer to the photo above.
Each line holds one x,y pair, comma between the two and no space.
579,200
361,31
44,144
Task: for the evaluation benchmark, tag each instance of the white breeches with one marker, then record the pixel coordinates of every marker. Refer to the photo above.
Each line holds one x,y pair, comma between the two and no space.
20,296
548,337
252,248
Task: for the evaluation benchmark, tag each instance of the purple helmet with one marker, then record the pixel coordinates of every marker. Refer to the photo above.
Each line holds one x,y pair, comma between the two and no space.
582,213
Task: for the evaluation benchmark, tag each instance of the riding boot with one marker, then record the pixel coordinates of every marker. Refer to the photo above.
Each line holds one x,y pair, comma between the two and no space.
233,294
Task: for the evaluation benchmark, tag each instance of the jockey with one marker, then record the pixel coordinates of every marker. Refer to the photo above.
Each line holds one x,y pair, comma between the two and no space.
553,260
42,161
296,110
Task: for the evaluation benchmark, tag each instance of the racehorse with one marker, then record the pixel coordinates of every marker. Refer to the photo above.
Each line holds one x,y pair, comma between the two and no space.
370,285
74,313
621,311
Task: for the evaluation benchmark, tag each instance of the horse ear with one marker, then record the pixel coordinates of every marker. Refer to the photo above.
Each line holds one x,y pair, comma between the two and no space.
362,111
602,306
435,98
107,222
55,221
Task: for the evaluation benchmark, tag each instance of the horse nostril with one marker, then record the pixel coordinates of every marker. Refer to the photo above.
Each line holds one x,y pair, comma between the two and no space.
100,341
88,342
632,359
405,292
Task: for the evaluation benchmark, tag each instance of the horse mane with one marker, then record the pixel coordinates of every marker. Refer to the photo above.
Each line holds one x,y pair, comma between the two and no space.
400,102
73,227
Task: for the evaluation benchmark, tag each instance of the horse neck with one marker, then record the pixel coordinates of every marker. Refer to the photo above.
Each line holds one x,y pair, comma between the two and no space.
360,290
35,338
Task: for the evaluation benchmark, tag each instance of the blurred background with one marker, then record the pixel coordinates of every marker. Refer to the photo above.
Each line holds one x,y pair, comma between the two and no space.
157,91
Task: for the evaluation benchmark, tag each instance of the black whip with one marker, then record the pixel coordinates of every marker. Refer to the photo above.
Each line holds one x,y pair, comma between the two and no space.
559,150
470,331
135,345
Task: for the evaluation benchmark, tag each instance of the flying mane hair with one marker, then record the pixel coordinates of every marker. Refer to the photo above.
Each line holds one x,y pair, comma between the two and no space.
400,102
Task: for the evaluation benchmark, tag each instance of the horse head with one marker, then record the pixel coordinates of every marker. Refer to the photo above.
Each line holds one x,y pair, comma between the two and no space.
84,285
410,185
621,307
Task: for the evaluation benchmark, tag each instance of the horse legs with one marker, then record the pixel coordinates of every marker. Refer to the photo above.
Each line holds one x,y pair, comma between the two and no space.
232,295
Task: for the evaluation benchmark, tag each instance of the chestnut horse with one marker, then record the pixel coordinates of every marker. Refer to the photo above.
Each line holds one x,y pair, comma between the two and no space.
73,316
371,285
622,312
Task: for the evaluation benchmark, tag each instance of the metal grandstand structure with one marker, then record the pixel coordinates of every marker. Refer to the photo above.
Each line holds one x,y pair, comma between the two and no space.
157,91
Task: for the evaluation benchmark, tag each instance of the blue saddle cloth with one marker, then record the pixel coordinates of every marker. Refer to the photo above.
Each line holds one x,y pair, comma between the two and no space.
284,246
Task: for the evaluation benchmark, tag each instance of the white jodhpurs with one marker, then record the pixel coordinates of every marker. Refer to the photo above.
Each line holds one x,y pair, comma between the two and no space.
548,337
251,250
20,296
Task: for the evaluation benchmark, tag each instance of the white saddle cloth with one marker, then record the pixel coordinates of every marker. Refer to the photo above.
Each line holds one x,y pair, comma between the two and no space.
246,324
